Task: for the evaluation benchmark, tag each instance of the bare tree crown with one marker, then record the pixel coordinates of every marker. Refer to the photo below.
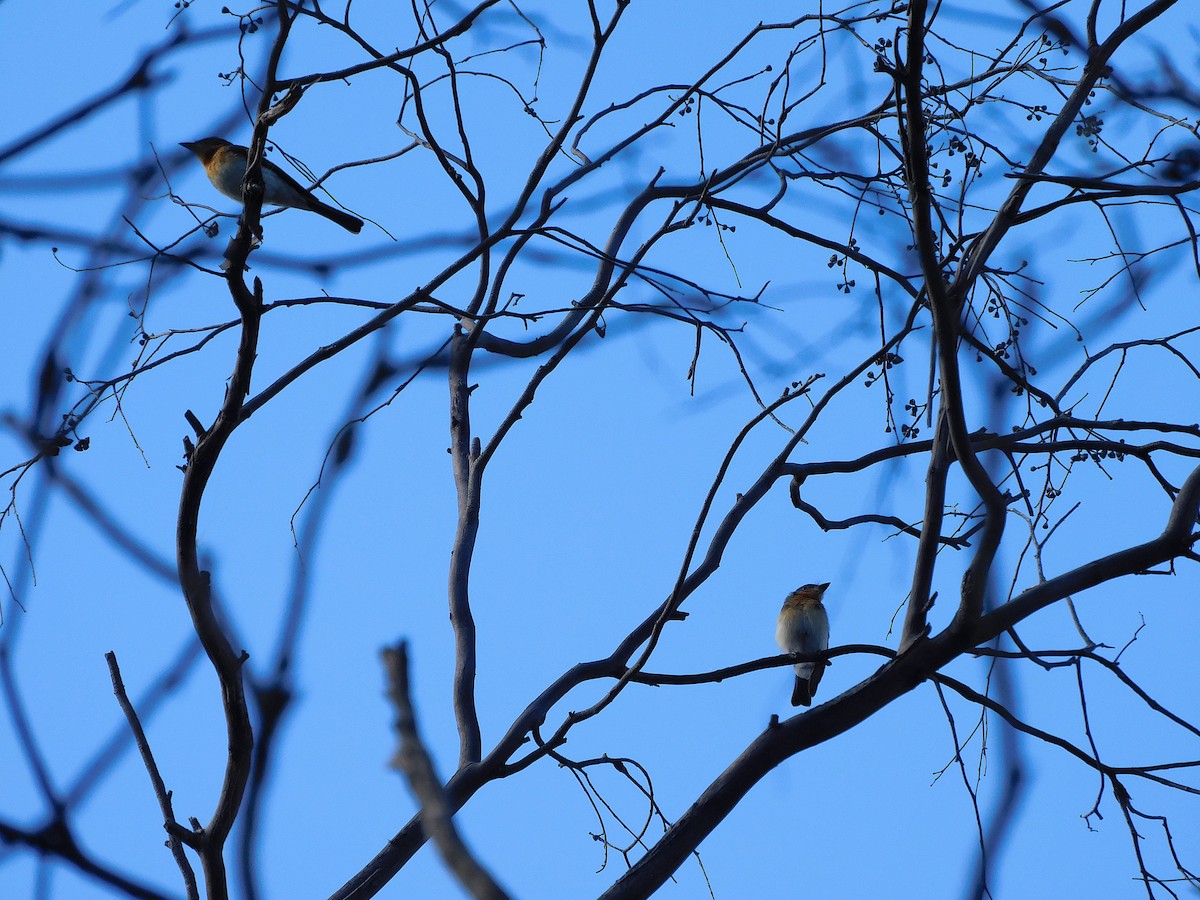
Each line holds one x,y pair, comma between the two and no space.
897,296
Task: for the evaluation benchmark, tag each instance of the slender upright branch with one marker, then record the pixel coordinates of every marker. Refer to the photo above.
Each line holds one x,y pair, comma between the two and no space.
160,789
413,760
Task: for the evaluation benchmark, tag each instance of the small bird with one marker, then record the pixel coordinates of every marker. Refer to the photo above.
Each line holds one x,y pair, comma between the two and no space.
225,164
804,628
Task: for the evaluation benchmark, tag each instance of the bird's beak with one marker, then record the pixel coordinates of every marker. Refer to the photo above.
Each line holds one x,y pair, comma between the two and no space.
187,145
825,586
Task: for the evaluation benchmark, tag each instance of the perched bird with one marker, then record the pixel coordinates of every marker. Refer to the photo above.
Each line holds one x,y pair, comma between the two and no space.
225,164
804,628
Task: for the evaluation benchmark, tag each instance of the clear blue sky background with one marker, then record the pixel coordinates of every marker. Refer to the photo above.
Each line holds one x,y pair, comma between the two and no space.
587,509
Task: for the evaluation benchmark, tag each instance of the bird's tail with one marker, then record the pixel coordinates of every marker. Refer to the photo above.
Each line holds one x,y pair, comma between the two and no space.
333,214
801,692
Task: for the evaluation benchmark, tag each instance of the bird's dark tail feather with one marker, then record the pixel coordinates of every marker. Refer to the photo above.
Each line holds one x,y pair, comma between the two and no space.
801,693
333,214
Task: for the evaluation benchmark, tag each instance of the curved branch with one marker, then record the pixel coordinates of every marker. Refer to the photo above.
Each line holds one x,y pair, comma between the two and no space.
893,680
202,461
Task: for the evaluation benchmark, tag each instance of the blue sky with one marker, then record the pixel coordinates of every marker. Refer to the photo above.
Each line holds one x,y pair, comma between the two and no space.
589,503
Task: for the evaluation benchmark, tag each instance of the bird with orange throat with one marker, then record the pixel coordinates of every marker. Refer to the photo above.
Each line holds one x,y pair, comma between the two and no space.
225,165
803,627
